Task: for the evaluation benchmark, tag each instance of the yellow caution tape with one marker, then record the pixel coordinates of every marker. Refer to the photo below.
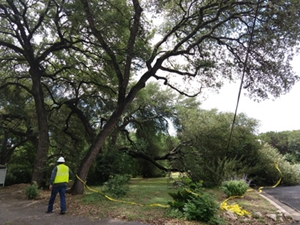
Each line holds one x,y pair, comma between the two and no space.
278,182
234,207
115,200
193,193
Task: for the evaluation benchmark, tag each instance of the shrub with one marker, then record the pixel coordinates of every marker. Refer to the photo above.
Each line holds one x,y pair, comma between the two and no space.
212,170
292,158
17,174
32,191
117,185
194,204
265,172
201,208
234,187
180,199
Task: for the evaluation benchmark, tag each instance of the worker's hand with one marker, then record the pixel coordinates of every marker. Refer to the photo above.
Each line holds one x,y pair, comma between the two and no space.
50,187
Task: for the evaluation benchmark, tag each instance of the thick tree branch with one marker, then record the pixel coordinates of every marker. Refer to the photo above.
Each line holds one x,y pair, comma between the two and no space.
97,33
172,155
142,155
11,46
15,84
175,88
131,42
72,104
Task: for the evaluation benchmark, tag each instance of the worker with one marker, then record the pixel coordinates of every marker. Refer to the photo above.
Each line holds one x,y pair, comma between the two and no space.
58,184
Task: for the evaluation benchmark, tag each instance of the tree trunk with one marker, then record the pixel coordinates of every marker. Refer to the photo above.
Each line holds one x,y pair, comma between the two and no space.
78,186
86,163
3,158
39,165
91,155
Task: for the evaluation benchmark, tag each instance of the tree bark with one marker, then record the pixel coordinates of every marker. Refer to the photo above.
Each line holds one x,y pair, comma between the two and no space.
78,186
3,154
43,138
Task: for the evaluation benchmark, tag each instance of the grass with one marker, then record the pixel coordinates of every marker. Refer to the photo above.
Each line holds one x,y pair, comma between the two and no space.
135,206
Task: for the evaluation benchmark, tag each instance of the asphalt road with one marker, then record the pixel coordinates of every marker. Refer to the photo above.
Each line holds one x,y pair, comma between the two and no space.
289,196
286,199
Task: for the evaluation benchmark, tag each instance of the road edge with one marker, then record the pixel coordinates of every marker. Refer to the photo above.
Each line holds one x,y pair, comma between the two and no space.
285,209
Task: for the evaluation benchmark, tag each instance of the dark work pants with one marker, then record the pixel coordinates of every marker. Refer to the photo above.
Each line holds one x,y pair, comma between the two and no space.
62,194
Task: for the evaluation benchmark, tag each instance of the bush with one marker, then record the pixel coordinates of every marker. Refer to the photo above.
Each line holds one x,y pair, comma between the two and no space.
201,208
212,170
194,204
234,187
265,173
17,174
32,191
117,185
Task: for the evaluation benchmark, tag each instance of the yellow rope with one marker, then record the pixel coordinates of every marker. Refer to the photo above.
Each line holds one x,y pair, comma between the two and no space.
236,208
278,182
115,200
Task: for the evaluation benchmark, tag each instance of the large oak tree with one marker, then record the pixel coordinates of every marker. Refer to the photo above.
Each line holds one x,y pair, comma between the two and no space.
200,42
31,32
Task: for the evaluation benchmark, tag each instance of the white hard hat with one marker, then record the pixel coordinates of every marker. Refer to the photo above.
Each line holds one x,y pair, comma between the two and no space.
61,159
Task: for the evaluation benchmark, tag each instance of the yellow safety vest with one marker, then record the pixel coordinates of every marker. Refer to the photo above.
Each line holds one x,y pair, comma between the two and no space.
62,174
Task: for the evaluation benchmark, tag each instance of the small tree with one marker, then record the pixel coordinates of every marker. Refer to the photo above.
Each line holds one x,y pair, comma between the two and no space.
210,157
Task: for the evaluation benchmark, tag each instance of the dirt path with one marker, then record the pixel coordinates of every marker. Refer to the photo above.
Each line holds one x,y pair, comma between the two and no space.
16,209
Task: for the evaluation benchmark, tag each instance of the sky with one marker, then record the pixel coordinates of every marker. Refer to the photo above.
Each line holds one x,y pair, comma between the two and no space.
281,114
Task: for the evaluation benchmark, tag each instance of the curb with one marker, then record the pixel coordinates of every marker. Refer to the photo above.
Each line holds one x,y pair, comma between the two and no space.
285,209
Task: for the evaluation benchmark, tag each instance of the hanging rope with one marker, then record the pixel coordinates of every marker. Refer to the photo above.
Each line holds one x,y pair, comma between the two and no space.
243,75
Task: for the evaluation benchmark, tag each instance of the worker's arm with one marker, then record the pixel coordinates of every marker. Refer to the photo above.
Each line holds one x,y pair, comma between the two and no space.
53,174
